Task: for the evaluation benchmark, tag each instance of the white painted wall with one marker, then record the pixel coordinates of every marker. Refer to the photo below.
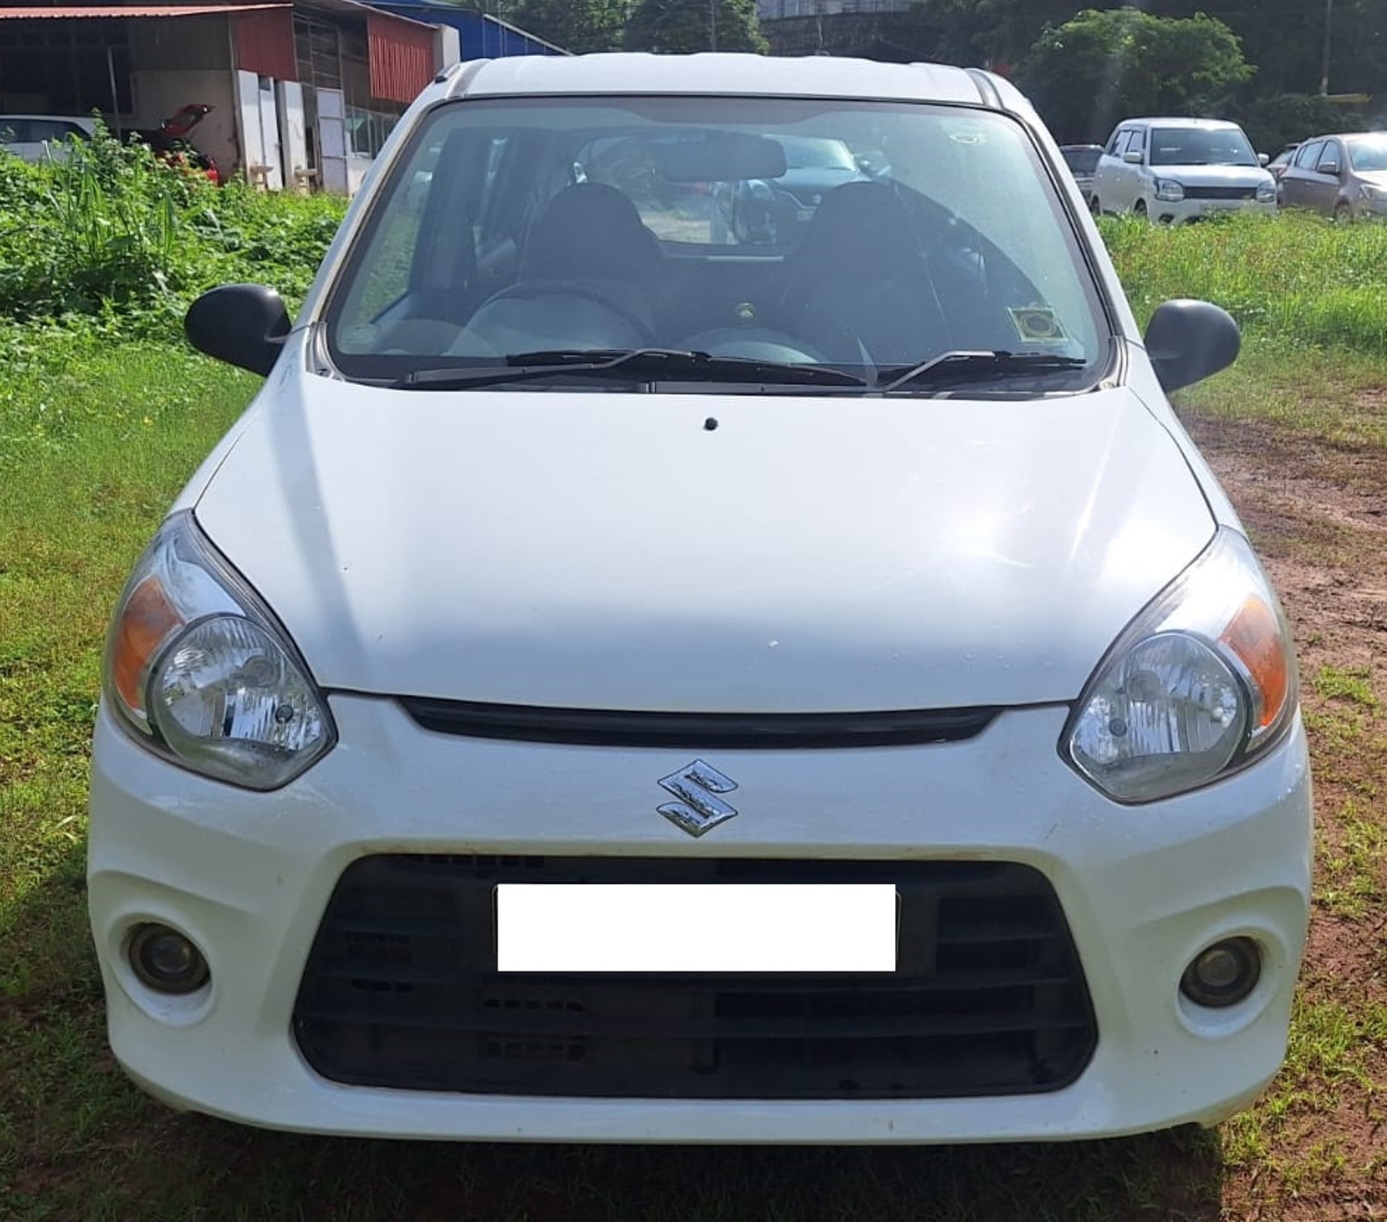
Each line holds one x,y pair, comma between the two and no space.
156,94
357,169
293,135
252,134
260,130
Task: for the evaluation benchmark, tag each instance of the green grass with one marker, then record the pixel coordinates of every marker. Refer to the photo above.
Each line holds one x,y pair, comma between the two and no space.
1295,277
1352,684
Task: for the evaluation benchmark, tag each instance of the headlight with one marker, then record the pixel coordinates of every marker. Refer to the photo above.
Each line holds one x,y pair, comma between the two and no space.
1266,193
1199,684
1369,192
1169,190
198,668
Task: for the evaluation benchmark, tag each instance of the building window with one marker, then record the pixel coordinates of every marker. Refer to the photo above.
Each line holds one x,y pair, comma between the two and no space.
367,130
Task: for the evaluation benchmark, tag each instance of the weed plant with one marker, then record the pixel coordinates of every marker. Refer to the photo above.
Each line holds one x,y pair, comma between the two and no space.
108,238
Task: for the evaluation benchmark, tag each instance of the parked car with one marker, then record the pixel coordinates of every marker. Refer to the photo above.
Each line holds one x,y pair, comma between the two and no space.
1343,176
774,209
1082,160
37,137
1277,165
1174,170
608,689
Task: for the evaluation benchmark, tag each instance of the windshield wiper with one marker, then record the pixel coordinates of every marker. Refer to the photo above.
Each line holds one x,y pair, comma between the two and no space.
634,364
982,366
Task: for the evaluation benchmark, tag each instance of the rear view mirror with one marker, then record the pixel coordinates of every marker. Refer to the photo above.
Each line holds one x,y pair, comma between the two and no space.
1132,156
1188,341
242,324
1263,159
721,157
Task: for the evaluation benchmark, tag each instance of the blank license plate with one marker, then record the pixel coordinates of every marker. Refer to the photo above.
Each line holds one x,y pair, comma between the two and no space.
696,927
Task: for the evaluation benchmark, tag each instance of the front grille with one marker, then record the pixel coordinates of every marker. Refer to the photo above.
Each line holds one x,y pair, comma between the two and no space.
698,731
1220,192
401,990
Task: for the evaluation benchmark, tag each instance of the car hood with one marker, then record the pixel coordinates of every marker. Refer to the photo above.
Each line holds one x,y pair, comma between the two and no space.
1214,175
703,553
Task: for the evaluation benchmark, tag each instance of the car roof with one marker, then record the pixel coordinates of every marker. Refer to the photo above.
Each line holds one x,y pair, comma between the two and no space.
82,120
720,73
1346,136
1180,121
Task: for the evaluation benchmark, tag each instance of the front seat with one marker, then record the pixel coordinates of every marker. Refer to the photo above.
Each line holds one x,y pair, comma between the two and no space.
589,273
857,286
588,276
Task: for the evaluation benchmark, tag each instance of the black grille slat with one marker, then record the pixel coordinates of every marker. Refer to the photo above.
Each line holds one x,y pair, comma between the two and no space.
333,966
401,990
539,1022
698,731
1220,192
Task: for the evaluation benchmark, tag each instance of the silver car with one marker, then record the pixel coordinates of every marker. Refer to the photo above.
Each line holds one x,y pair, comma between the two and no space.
1343,176
39,137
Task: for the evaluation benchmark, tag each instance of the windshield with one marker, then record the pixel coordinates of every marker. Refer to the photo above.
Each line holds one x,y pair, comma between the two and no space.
530,232
806,154
1201,146
1083,160
1367,154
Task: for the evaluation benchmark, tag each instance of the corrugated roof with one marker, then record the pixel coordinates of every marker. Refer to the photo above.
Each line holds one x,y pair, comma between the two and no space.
109,11
37,11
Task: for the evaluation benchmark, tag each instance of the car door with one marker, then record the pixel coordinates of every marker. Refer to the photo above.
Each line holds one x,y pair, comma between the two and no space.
1325,184
1135,173
1114,189
1297,181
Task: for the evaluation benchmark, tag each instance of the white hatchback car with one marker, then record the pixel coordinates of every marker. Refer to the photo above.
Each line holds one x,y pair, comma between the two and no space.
39,137
1176,170
614,684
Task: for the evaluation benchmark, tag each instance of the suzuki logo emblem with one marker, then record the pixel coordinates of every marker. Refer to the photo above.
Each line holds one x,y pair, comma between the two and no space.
699,808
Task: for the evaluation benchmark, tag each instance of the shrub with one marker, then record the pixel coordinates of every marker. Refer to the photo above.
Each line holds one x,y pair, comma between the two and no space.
107,234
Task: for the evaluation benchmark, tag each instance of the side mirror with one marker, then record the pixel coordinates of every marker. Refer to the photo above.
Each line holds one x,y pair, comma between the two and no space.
1132,156
241,324
1187,341
1328,167
1263,159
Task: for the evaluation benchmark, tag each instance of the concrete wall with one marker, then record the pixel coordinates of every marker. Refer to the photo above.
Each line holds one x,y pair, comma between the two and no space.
159,92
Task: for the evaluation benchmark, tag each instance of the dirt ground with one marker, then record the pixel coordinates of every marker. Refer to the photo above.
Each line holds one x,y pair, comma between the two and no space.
1317,513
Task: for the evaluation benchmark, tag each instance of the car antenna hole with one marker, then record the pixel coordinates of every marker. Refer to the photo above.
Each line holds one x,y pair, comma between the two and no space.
711,423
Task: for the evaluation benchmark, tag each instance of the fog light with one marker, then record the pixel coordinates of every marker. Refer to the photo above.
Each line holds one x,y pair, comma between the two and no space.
167,961
1223,974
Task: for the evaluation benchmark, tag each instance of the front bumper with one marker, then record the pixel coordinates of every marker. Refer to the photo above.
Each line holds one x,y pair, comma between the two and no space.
249,876
1180,212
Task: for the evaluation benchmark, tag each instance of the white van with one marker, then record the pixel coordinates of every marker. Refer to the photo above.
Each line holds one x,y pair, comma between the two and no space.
1175,170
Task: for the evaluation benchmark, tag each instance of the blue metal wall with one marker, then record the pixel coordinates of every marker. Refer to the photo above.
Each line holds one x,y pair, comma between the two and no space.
482,36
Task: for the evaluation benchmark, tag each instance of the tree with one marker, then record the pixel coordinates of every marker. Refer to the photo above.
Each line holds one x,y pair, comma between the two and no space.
574,25
694,25
1102,66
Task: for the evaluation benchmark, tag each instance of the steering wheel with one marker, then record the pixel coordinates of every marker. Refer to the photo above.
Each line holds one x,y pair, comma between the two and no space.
755,344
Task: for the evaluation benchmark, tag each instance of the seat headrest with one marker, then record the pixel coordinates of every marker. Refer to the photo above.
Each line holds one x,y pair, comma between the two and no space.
860,226
590,231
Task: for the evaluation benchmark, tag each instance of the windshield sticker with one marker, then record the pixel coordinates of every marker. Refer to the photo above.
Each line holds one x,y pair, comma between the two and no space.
1037,325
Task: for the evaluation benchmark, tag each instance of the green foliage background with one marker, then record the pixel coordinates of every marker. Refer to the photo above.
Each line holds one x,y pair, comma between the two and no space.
694,25
106,238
